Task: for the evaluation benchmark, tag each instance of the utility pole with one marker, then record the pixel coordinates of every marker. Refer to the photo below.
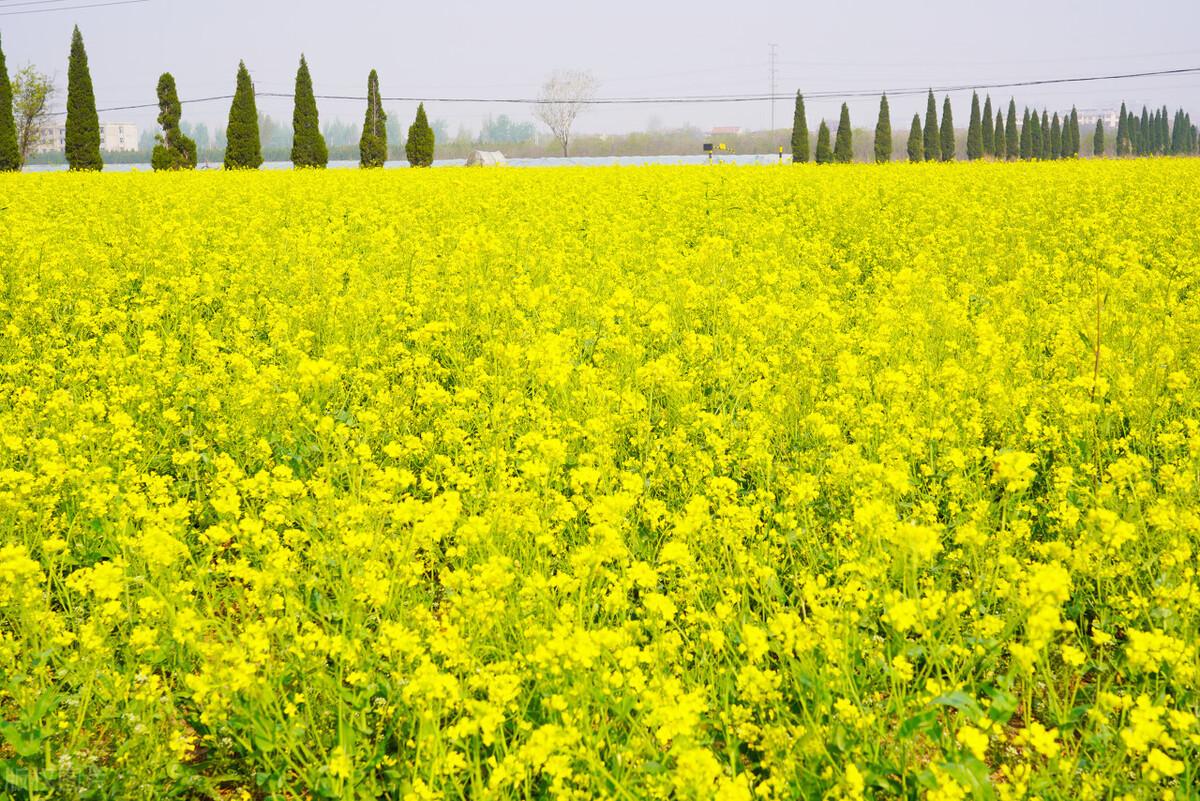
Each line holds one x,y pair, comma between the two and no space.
774,65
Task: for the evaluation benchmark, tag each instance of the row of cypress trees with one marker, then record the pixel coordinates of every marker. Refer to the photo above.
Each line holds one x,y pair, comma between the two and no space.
1041,136
1153,135
175,151
244,150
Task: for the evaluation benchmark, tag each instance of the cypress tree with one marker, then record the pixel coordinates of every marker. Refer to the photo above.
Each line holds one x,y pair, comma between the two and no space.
916,145
1035,135
174,150
1056,138
1122,143
824,152
975,131
933,147
372,146
10,153
243,150
799,132
1164,136
883,133
1043,131
308,145
947,135
843,151
1026,138
987,129
1011,142
1144,132
1074,152
83,123
1000,147
1098,139
420,144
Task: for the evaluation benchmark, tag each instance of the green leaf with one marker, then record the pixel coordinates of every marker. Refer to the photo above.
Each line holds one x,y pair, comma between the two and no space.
960,701
918,722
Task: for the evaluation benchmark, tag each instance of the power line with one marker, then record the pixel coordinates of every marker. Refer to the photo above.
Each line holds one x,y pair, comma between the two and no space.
70,8
726,98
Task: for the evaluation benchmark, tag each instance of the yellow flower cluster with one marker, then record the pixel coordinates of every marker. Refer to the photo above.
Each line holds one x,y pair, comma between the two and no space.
675,483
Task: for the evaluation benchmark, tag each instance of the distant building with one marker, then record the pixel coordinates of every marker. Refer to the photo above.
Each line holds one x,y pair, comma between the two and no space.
1088,117
726,130
114,137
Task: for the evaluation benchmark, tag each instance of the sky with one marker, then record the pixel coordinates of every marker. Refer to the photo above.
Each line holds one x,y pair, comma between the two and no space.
648,48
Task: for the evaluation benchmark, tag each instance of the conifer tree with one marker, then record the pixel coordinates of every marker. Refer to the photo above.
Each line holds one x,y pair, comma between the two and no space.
1043,131
824,151
1011,141
1098,139
420,144
1000,146
1064,150
308,145
83,123
174,150
975,131
883,133
1026,138
243,150
1144,133
916,144
987,129
799,132
1035,135
10,153
1056,138
1074,150
843,150
1164,135
947,135
933,145
373,145
1122,143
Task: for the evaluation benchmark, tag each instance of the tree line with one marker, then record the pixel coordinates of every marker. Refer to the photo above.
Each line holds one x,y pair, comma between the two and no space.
174,150
1038,136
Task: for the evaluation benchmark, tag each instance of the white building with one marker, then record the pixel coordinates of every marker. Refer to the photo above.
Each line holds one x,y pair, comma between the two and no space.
1088,117
114,137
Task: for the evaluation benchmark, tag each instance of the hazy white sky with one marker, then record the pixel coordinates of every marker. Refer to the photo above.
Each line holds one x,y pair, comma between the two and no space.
635,48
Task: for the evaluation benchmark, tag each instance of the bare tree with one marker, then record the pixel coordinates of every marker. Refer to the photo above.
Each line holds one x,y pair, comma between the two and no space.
564,95
32,94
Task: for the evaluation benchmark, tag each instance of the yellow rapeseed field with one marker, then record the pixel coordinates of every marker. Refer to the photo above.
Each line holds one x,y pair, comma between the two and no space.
665,482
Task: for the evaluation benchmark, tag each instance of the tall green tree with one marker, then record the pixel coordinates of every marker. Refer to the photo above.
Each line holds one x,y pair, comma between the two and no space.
1035,135
373,144
1122,143
843,150
947,136
1056,138
799,132
1000,146
243,149
10,152
420,144
1026,137
1144,133
988,130
1044,132
308,145
1011,142
916,144
933,145
174,150
824,153
1098,139
975,131
883,133
83,123
1074,150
